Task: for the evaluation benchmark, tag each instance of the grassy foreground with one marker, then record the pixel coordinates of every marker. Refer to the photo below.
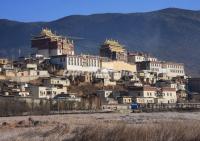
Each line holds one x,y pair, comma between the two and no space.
170,126
168,131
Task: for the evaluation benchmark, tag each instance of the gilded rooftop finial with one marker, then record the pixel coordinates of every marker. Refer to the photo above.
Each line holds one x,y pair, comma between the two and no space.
46,32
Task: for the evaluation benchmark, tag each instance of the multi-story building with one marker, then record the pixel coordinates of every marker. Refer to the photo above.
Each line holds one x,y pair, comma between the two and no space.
55,81
144,94
144,91
174,69
147,77
48,44
169,94
155,66
124,99
148,94
3,61
113,50
46,92
134,57
77,63
169,68
166,95
171,84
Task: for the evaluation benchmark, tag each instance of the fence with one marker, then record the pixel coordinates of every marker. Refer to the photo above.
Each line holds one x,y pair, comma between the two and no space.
170,107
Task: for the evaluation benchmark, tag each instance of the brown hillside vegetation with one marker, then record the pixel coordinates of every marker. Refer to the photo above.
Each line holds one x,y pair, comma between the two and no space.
88,88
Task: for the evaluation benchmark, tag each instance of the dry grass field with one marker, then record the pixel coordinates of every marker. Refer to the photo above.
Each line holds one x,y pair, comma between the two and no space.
166,126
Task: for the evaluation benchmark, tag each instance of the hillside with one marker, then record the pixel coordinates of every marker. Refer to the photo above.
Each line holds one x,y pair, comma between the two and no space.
170,34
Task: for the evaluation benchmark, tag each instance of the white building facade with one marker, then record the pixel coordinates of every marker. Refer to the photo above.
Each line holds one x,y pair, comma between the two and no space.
134,57
77,63
46,92
148,94
171,69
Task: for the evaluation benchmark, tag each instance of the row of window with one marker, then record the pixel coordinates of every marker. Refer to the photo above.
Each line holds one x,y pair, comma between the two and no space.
168,66
152,59
177,71
127,100
59,81
80,62
155,69
175,66
167,94
154,94
150,94
143,101
172,70
140,58
43,93
156,65
149,101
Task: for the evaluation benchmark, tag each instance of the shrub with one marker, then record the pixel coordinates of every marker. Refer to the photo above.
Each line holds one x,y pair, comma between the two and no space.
168,131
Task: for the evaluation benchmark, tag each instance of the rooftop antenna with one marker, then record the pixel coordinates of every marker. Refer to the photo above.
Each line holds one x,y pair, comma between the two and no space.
19,51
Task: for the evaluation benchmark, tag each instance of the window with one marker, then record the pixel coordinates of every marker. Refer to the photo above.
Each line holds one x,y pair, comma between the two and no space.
78,63
48,92
95,63
90,64
69,62
72,61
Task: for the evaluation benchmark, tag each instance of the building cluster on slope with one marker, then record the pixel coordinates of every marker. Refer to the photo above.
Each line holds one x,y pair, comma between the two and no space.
55,67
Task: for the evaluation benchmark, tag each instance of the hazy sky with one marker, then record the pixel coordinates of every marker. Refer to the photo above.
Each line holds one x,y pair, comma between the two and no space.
46,10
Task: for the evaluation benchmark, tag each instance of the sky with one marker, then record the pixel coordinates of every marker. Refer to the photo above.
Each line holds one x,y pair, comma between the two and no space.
48,10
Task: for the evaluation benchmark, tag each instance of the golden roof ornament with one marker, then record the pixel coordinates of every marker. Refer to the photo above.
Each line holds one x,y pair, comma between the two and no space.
46,32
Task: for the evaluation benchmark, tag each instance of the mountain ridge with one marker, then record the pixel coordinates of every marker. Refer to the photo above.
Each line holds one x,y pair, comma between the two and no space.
170,34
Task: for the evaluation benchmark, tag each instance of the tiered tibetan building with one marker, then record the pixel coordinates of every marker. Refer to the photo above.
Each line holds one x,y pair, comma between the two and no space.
113,50
49,44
